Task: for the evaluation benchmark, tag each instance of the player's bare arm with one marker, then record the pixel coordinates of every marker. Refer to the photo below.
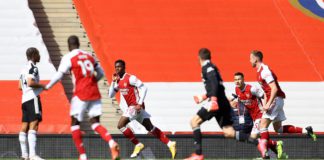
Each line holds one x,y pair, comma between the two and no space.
32,83
274,90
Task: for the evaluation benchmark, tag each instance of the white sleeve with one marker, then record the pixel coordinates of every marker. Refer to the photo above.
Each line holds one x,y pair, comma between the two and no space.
267,75
65,65
257,91
58,76
140,86
112,89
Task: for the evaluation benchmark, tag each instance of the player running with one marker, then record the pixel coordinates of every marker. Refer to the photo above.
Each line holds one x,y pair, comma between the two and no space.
250,96
31,105
133,91
215,105
86,73
273,108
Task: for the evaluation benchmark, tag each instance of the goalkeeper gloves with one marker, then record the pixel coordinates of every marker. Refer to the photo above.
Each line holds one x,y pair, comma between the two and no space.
213,104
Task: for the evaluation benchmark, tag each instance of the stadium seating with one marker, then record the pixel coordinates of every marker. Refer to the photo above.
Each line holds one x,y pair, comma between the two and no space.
18,31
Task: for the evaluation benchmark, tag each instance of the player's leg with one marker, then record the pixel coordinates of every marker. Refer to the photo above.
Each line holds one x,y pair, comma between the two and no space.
279,128
94,112
35,117
23,132
255,132
264,137
102,131
195,123
23,140
160,135
128,133
77,110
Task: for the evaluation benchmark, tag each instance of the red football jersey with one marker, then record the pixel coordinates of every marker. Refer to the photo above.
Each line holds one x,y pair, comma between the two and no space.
128,89
249,97
264,77
82,66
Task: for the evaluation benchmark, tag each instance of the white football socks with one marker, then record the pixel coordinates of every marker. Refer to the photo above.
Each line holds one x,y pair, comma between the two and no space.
32,142
23,144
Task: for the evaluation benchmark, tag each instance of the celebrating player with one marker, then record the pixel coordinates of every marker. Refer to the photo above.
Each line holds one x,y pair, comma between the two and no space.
273,108
86,96
133,91
31,105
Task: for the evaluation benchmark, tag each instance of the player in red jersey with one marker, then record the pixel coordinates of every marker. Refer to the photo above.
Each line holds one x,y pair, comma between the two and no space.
250,96
273,108
133,91
86,73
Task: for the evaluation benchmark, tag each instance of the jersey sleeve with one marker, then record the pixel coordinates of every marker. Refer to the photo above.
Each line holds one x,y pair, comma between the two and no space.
134,81
65,65
267,75
257,91
213,81
140,86
32,73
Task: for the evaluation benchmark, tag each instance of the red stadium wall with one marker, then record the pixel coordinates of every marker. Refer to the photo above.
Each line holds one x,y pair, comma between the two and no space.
159,39
54,103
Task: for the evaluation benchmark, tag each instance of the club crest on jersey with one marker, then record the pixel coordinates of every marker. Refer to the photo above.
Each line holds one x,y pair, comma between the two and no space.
247,95
125,84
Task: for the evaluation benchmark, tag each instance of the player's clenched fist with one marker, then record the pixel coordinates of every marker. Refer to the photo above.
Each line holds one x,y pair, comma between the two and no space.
115,77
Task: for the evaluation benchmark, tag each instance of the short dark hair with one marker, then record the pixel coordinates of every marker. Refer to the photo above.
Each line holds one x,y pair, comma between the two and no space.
74,41
204,54
257,54
239,74
31,52
121,62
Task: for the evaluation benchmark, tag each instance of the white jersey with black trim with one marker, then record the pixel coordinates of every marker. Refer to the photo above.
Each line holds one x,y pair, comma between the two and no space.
29,71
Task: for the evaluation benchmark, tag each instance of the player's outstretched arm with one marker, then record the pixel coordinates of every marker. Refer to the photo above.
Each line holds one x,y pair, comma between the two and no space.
58,76
200,98
32,83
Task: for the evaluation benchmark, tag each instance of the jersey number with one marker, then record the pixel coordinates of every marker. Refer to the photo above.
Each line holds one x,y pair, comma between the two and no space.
23,82
86,68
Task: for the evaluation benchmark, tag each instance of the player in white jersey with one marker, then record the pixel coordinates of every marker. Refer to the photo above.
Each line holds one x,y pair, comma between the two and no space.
86,73
31,105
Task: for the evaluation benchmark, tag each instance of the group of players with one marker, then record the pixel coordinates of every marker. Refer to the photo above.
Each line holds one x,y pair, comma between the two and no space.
86,73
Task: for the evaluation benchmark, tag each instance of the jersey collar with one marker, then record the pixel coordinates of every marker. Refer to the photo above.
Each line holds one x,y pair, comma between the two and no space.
205,62
31,62
261,65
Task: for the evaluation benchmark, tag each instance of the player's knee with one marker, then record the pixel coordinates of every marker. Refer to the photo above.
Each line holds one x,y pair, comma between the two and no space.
24,128
254,136
33,125
229,132
95,120
120,126
74,122
194,122
149,128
